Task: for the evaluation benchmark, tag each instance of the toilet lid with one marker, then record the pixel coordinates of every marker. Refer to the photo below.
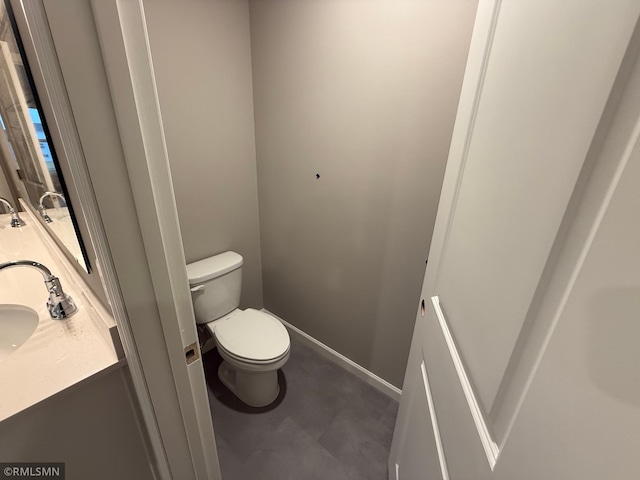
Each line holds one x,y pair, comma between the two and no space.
253,335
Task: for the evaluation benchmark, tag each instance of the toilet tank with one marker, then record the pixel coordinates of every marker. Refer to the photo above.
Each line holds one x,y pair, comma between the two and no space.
215,285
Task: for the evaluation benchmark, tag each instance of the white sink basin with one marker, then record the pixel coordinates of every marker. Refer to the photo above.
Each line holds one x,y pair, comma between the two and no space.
17,324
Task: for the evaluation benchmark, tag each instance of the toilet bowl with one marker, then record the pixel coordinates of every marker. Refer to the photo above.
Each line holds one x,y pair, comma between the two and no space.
252,344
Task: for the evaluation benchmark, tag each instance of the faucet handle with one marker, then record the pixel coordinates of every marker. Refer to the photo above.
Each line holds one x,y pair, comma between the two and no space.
60,304
63,308
16,221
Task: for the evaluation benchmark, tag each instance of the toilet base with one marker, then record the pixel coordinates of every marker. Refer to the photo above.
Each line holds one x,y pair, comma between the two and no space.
256,389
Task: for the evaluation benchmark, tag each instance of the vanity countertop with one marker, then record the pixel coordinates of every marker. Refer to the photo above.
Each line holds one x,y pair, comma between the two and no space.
60,353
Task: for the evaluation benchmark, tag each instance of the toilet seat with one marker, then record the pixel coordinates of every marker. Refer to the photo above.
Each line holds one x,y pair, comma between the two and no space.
252,337
250,361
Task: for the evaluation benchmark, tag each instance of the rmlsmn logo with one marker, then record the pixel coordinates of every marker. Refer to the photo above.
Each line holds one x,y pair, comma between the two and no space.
19,471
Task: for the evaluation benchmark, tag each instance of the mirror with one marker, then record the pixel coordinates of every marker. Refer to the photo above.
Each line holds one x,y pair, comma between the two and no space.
30,168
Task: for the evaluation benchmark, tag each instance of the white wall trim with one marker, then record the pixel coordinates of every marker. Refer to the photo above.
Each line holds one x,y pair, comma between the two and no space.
339,359
490,446
434,422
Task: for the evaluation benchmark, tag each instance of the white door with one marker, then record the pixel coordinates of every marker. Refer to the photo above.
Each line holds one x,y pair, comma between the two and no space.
525,360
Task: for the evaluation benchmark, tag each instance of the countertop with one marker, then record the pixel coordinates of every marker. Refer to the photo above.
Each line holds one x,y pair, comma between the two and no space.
60,353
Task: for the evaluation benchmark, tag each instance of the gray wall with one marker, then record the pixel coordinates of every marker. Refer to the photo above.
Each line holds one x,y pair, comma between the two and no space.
202,59
364,94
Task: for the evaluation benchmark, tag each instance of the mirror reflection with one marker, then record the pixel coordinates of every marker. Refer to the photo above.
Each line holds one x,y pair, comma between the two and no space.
29,168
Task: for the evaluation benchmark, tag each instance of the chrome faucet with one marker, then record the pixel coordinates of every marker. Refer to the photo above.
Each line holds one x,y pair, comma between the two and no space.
60,304
16,221
43,211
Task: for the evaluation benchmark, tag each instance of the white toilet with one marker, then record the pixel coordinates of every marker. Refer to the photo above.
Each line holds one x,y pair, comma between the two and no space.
253,344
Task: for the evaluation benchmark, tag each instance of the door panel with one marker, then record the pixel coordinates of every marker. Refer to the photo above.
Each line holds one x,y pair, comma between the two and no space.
420,446
580,418
527,378
530,136
465,455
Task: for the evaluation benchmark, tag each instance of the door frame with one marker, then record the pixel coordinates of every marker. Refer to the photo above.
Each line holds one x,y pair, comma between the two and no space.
126,54
148,293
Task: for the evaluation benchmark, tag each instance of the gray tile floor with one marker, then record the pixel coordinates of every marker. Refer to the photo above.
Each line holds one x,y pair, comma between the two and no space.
326,424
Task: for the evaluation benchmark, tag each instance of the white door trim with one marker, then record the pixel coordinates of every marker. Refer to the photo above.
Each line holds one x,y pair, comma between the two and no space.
434,422
486,438
470,95
123,38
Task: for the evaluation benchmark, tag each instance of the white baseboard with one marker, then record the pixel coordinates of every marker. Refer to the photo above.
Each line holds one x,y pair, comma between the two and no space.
339,359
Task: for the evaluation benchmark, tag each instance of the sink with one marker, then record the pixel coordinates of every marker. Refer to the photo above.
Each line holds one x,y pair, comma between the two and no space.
17,324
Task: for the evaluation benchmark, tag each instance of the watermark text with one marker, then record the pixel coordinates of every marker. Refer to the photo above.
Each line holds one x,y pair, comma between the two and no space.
20,471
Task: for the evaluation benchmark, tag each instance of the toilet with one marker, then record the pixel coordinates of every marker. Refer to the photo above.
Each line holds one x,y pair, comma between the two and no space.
253,344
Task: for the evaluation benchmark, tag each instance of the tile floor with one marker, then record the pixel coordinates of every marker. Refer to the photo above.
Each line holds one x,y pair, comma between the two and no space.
326,424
